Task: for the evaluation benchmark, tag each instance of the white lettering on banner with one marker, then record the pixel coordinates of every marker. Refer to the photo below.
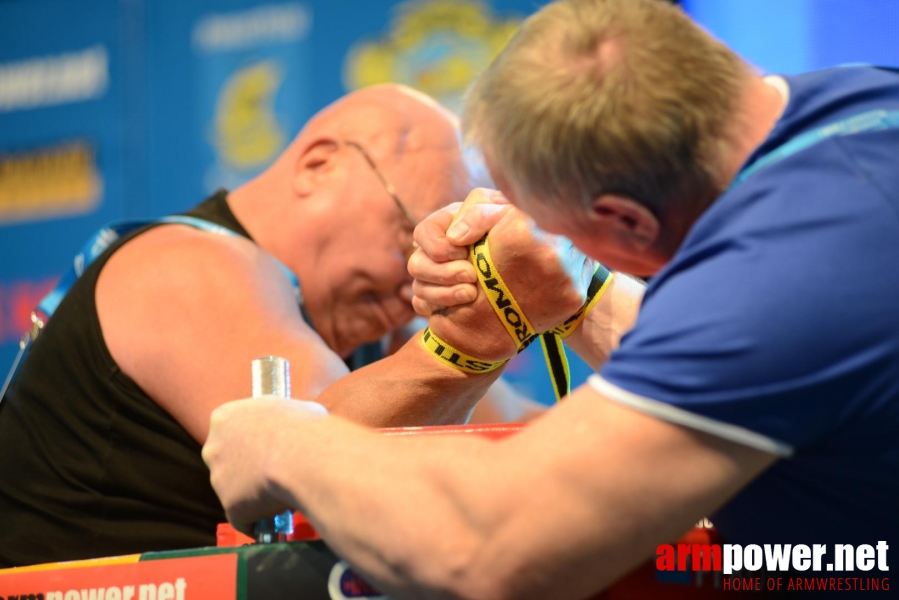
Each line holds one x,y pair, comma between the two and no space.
248,28
146,591
52,80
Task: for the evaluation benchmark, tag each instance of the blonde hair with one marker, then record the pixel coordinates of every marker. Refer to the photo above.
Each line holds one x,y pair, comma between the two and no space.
607,96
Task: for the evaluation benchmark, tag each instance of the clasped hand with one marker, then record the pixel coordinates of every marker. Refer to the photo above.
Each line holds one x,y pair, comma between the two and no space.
546,275
246,439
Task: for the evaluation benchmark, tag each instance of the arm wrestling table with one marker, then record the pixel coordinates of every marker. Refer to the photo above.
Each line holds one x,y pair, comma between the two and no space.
302,568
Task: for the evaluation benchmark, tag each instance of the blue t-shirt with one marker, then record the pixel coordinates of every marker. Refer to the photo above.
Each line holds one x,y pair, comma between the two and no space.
776,325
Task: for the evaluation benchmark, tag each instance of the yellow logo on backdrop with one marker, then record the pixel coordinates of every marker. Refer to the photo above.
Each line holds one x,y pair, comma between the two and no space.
48,182
247,133
436,46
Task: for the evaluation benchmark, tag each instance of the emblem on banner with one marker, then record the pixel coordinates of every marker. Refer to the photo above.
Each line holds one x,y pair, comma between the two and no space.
247,133
436,46
251,88
344,584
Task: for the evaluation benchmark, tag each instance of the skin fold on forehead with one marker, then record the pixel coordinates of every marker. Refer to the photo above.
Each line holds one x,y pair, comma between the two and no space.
389,119
413,139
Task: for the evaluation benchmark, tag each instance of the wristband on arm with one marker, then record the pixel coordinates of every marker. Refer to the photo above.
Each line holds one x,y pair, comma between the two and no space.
517,324
602,278
455,358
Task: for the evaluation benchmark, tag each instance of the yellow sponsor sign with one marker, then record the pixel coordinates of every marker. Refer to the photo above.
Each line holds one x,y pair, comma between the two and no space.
436,46
49,182
248,135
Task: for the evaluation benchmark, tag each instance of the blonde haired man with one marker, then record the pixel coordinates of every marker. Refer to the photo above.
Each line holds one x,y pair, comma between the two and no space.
758,383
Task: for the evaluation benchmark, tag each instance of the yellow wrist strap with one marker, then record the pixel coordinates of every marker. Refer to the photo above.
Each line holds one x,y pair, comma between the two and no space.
516,323
501,300
602,278
456,358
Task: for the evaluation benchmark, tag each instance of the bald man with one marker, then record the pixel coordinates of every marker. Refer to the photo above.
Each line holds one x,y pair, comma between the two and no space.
100,434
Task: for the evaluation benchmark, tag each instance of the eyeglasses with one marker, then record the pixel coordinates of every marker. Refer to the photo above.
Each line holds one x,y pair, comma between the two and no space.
390,189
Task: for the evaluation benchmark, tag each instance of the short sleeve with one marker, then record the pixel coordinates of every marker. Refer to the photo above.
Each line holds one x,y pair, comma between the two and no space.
770,335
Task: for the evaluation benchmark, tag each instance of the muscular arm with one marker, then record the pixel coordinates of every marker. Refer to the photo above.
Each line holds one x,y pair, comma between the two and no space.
446,279
184,312
409,387
502,403
558,511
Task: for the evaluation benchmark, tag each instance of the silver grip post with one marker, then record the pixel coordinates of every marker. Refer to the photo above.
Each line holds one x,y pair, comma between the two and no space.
271,377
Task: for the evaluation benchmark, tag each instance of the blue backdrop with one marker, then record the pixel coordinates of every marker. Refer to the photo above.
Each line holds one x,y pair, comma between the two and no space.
133,108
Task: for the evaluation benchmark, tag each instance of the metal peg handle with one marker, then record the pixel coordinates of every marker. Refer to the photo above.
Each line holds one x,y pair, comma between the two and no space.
271,377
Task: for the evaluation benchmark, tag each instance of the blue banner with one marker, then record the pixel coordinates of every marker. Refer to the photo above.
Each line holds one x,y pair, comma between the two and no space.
132,109
238,81
61,143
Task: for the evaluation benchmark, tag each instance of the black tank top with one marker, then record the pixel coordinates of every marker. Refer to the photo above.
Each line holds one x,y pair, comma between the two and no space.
89,464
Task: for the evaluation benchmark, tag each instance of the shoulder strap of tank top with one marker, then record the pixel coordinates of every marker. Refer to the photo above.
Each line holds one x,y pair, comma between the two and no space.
91,250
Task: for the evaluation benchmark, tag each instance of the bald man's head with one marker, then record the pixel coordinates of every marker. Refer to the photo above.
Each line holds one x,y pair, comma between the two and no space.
406,133
389,115
340,204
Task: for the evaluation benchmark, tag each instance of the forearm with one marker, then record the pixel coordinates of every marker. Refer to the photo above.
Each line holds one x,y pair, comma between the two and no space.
412,526
503,404
558,511
612,316
409,388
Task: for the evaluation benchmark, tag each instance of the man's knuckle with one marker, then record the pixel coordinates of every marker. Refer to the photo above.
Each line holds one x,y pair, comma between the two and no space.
414,265
421,307
420,292
442,253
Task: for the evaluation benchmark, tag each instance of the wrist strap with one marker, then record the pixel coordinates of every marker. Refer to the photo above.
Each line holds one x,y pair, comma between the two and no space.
514,320
516,323
602,278
456,358
501,300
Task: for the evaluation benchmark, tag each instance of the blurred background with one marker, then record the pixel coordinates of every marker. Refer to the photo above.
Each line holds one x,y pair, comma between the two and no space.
122,109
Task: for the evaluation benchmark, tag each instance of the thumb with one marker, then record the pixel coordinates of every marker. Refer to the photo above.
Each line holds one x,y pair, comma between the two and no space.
471,223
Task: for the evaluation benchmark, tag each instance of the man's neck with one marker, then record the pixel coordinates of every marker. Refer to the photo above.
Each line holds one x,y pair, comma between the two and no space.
265,213
757,111
760,106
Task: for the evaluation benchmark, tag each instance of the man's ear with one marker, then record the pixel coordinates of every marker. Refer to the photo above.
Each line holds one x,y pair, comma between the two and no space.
316,160
627,219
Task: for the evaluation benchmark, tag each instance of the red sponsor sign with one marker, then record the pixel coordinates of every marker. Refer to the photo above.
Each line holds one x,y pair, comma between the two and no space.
190,578
17,300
